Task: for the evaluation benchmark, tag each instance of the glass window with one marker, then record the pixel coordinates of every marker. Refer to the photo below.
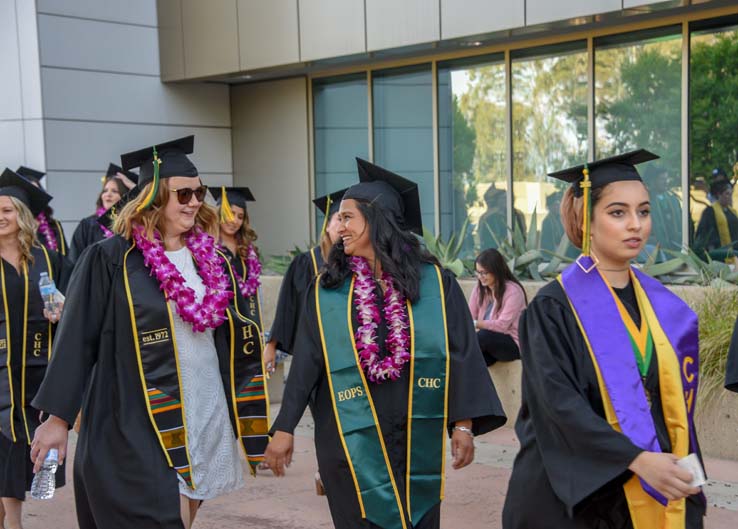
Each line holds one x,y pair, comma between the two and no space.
713,100
403,129
472,150
341,121
638,105
549,95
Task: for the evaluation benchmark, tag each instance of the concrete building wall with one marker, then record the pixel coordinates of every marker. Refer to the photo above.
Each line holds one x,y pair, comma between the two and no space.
21,128
103,95
270,156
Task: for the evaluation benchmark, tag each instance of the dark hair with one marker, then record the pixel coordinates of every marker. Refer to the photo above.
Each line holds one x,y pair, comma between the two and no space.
122,189
493,262
719,185
398,250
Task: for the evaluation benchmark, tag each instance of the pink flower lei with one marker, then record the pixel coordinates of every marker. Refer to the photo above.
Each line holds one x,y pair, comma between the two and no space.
250,286
398,341
210,312
108,234
45,229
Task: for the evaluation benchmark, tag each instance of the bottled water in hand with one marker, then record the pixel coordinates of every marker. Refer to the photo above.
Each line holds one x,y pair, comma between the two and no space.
47,287
44,482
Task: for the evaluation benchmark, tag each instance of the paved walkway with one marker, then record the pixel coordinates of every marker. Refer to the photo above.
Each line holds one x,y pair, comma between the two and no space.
474,495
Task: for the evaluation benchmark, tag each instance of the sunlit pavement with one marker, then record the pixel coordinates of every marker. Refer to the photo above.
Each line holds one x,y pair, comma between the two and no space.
474,495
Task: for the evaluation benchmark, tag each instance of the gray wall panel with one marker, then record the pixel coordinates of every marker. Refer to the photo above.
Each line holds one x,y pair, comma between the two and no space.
128,11
472,17
541,11
97,144
636,3
331,28
171,39
268,33
11,144
88,45
28,52
33,141
210,37
391,24
70,94
10,88
270,156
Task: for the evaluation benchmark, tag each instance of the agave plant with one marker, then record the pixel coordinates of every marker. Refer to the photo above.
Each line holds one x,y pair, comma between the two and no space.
521,252
447,252
694,270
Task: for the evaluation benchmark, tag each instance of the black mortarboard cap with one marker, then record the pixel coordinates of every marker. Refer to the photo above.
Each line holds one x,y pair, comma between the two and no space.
606,171
30,174
322,203
14,185
237,196
172,156
389,191
108,218
113,170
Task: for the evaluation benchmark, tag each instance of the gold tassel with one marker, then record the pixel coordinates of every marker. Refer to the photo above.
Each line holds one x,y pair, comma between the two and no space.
154,189
226,213
586,186
327,215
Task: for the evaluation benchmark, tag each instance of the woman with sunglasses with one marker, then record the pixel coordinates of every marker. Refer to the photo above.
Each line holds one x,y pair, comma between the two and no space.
170,372
387,358
116,183
610,365
26,332
496,303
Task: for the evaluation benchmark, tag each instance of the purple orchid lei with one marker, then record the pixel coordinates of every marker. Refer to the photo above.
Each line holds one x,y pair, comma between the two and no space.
250,286
108,234
398,341
47,232
210,312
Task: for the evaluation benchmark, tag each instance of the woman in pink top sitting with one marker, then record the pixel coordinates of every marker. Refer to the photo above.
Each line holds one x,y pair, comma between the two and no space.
496,303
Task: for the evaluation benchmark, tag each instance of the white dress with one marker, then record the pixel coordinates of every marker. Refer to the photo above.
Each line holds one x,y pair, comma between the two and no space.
214,450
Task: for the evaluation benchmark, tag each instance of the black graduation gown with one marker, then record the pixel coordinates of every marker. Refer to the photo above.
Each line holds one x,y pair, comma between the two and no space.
295,284
88,232
16,469
471,396
121,477
731,368
61,240
565,440
707,237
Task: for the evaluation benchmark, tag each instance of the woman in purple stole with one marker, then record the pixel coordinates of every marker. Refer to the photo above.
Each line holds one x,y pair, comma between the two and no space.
610,363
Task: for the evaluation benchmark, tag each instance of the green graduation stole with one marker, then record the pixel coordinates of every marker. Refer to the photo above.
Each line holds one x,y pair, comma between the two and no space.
379,499
158,361
37,332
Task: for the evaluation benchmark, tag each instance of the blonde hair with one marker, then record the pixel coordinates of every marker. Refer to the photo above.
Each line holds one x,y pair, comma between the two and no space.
152,218
27,234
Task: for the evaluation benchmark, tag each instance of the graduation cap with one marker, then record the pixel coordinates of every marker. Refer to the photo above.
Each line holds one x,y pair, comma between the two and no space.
14,185
231,196
161,161
389,191
329,205
30,174
584,178
113,171
108,218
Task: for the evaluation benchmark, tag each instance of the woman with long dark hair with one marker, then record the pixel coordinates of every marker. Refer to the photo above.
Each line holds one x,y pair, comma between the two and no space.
153,345
26,333
496,303
386,356
116,183
610,365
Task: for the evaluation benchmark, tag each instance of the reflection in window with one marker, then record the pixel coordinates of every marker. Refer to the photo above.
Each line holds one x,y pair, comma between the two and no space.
403,129
713,104
638,105
341,133
549,93
472,151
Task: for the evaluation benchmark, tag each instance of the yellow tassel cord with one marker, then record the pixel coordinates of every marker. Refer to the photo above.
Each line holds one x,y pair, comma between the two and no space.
327,215
586,186
226,213
154,189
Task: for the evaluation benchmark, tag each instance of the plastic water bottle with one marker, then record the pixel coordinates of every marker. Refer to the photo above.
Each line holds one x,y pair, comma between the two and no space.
48,288
44,482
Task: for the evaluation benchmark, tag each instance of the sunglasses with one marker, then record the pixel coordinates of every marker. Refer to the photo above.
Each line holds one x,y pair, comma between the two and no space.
184,195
